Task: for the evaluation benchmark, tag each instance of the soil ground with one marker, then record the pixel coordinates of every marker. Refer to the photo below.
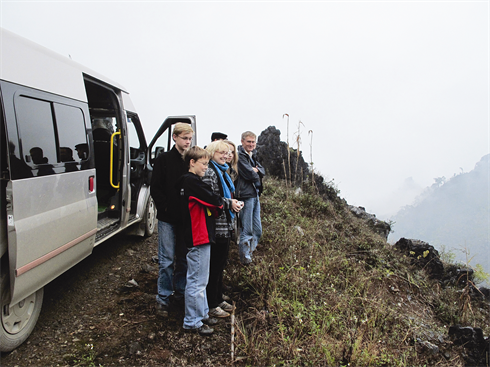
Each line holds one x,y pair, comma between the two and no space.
92,315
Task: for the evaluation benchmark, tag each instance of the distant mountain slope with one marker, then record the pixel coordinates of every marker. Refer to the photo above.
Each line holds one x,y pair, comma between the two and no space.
454,214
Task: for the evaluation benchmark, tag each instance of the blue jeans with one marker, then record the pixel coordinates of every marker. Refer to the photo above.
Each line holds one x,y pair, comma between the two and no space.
196,301
251,229
172,264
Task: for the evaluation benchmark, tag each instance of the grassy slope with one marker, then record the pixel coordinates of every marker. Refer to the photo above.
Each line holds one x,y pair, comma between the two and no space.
326,291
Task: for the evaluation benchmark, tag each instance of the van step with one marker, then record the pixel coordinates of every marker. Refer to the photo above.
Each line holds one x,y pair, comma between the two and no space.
106,222
106,225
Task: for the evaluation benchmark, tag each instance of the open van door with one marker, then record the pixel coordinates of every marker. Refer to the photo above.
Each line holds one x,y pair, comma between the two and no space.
163,142
142,160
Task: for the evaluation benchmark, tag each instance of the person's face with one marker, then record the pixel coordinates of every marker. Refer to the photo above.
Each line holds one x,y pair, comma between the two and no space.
199,167
230,154
248,144
183,141
220,156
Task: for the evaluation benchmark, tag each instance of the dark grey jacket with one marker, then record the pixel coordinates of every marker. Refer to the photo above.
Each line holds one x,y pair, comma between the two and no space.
249,182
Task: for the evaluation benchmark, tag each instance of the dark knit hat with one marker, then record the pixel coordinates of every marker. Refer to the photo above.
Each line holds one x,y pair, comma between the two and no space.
218,136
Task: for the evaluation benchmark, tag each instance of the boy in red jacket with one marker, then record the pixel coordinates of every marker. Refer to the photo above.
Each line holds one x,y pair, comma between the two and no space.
199,208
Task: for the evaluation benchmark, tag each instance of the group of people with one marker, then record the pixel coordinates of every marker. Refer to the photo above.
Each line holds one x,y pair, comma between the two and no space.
200,195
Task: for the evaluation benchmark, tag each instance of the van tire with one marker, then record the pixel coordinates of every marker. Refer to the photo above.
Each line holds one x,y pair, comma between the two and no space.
17,326
150,217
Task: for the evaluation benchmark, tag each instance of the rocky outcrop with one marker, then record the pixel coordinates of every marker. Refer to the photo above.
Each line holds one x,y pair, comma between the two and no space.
485,293
476,346
272,153
423,255
455,275
378,226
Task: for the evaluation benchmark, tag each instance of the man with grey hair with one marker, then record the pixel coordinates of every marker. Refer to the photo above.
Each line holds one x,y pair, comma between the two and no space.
248,190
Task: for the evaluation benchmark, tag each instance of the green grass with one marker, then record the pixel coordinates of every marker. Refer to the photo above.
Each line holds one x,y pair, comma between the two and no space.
324,290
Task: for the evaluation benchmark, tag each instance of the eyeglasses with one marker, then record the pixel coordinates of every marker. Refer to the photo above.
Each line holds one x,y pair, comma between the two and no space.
185,139
223,152
205,164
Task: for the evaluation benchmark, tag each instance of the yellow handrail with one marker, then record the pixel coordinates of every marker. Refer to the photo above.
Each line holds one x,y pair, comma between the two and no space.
112,160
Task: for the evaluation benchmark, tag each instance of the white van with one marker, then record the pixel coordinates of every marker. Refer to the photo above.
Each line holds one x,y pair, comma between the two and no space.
75,170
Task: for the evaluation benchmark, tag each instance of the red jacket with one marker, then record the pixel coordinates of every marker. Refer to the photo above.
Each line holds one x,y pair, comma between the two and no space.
199,207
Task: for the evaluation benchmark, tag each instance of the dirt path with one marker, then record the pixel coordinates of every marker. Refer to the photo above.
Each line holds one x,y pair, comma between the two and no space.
92,315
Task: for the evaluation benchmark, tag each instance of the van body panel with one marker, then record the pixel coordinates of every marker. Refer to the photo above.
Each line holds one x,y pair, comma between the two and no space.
127,102
51,211
29,64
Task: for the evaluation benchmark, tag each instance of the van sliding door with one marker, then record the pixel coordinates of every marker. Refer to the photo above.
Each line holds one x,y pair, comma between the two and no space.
51,203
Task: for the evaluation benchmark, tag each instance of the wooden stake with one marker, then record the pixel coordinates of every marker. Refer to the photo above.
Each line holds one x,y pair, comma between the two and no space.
233,334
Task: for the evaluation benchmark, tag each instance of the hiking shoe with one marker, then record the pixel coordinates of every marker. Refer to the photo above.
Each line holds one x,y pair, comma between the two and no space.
161,310
225,298
225,306
210,321
204,330
217,312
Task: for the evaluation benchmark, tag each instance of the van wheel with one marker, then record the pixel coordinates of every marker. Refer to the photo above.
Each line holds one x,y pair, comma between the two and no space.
151,215
18,321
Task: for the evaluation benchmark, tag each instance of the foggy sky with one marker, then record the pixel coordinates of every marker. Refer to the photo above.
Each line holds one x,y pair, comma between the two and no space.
396,93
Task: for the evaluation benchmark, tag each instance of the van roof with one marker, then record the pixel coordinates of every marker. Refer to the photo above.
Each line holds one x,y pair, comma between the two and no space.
30,64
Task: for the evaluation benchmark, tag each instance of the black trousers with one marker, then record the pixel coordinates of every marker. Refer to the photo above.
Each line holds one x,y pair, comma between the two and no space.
219,258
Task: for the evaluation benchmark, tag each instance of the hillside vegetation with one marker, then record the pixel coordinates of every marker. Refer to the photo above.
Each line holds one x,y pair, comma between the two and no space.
324,290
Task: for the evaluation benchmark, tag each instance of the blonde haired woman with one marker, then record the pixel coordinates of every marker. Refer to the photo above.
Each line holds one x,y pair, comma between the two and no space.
217,177
232,160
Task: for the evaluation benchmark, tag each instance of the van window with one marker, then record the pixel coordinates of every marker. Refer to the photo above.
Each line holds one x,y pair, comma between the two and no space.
71,134
163,144
52,136
134,139
35,123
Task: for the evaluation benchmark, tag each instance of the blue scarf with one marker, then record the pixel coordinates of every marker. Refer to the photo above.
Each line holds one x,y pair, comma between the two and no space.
226,182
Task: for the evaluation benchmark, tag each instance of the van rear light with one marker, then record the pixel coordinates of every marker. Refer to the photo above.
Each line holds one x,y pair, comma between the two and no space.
91,184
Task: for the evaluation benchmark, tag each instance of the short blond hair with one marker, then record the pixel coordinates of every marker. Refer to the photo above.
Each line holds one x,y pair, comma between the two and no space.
215,146
246,134
182,128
